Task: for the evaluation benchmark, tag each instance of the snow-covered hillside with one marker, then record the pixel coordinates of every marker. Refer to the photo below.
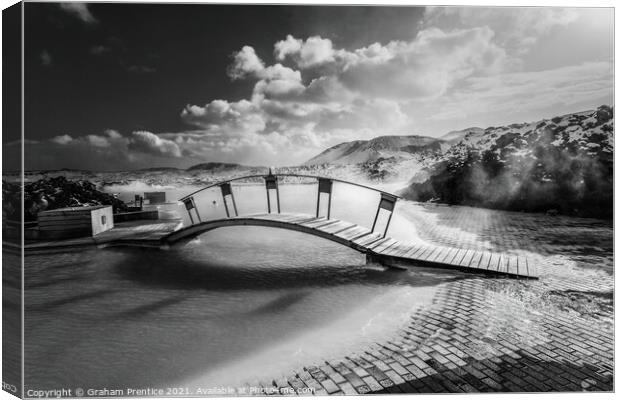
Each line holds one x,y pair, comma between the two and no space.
564,163
456,136
590,132
362,151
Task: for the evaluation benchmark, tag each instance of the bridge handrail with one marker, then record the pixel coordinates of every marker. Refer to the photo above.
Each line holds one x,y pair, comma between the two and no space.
286,174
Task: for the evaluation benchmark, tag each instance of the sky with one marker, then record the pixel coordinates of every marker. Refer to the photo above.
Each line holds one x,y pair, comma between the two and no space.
129,86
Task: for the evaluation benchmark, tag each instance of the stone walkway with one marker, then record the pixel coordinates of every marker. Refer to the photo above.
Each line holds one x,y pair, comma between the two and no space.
494,334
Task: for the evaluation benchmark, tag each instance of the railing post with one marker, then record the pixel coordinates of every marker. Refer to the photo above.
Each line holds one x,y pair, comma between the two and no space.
189,206
387,202
196,210
387,225
329,205
375,221
232,196
278,196
318,199
226,207
271,182
325,186
226,191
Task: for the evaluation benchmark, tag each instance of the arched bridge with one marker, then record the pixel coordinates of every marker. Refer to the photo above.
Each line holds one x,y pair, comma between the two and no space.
205,213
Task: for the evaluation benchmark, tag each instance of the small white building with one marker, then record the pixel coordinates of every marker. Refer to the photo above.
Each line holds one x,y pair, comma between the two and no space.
75,221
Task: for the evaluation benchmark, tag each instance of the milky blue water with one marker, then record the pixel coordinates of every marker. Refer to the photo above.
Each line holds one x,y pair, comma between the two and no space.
233,305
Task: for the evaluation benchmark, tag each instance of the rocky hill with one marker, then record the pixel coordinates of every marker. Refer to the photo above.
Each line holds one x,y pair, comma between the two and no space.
52,193
382,147
563,164
456,136
217,166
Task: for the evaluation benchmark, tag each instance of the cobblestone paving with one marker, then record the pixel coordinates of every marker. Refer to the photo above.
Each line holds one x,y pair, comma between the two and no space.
495,334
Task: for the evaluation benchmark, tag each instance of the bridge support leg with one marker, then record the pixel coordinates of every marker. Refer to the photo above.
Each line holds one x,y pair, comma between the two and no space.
375,221
232,196
329,205
226,207
196,210
318,202
277,199
387,225
189,205
227,191
278,196
271,182
384,261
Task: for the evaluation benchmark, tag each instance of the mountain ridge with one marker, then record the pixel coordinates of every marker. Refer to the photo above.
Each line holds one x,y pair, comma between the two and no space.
564,164
364,151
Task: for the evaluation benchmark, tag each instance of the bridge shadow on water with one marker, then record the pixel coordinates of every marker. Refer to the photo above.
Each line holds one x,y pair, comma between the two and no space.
291,287
172,271
176,320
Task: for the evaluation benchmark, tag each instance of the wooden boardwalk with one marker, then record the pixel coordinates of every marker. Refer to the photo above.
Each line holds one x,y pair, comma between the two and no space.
160,234
373,244
140,233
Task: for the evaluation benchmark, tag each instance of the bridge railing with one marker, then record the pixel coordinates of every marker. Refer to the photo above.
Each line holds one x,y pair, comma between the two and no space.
324,204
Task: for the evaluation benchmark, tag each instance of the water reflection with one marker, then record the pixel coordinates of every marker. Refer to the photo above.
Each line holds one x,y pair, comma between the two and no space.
211,312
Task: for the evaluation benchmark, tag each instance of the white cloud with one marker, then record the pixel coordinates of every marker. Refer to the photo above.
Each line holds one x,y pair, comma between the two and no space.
220,115
62,139
279,72
286,47
141,69
277,81
373,115
519,92
312,52
324,95
46,58
99,50
245,62
147,142
79,10
111,142
425,67
112,134
97,141
462,62
516,28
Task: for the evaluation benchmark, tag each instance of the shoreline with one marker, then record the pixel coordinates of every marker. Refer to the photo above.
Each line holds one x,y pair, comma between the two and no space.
478,327
427,354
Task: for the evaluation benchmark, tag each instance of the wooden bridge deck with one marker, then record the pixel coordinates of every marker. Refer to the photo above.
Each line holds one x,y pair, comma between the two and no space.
385,250
373,244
